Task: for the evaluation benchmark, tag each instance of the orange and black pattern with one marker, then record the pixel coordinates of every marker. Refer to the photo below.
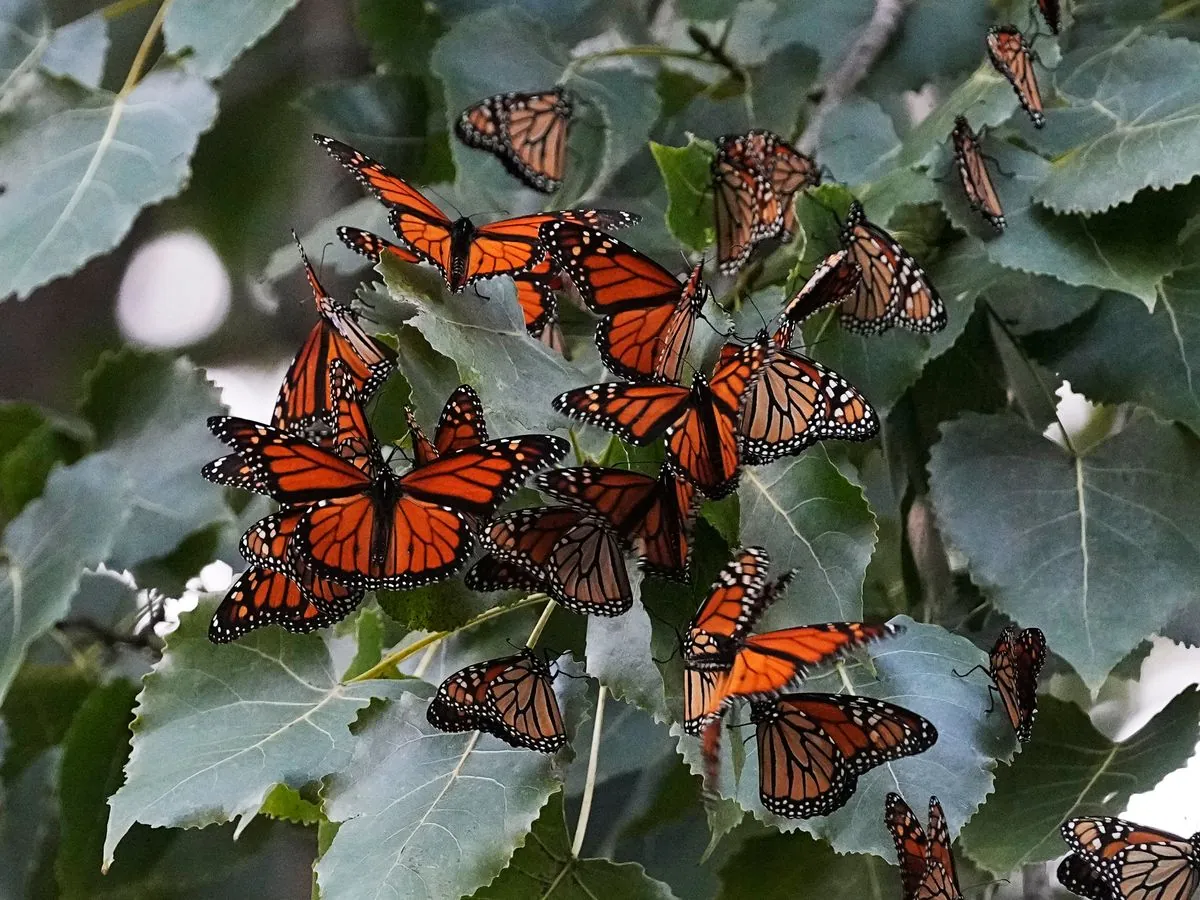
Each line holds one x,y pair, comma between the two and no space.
526,132
973,174
1113,859
1010,54
927,869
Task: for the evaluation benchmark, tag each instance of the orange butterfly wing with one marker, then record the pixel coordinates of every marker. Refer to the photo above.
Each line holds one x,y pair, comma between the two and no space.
1009,53
973,174
526,132
637,413
263,597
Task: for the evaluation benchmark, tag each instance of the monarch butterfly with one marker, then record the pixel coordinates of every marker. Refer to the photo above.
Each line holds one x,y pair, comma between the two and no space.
653,515
574,556
927,869
1009,53
1113,859
755,176
813,747
973,173
264,597
796,401
1052,13
511,698
894,289
304,397
535,288
462,251
1014,665
648,316
365,526
461,426
700,423
526,132
723,662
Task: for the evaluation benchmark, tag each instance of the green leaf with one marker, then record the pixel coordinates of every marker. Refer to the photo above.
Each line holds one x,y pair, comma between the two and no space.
766,868
26,823
216,32
286,803
401,33
827,26
515,375
619,656
425,813
80,164
32,442
1060,543
916,671
219,725
545,868
1123,353
628,107
810,518
687,174
368,633
1131,114
954,27
38,710
78,50
1071,769
95,748
1129,249
148,412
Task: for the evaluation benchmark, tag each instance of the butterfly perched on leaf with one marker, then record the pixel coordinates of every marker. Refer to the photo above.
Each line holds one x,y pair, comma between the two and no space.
572,555
461,425
700,423
652,516
723,661
527,132
648,315
1112,859
755,177
262,597
463,252
1014,665
927,870
1010,54
973,173
365,526
511,698
304,398
535,288
796,401
894,289
813,747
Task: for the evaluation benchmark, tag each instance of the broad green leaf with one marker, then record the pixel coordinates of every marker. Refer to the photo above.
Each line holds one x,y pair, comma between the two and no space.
545,868
985,95
1184,626
1063,543
32,442
219,725
914,670
769,868
810,518
619,655
687,174
1129,249
858,141
1131,114
24,36
515,375
628,107
631,743
78,50
827,26
286,803
96,746
368,637
26,823
400,34
216,32
427,814
38,710
80,164
954,27
148,413
1071,769
1122,353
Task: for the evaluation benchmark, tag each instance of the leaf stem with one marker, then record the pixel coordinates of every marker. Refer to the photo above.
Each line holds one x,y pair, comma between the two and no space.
589,786
394,659
143,51
540,625
841,670
1037,375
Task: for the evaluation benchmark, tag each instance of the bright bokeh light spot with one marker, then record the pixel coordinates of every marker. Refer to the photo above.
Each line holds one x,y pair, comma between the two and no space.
175,292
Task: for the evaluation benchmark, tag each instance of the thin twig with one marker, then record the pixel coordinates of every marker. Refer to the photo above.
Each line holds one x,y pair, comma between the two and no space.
138,66
854,68
589,786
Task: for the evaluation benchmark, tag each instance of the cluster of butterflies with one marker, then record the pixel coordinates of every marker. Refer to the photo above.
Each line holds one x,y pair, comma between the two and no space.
349,523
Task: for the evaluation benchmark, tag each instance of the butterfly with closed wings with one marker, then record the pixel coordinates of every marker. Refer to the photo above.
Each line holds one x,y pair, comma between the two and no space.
1010,54
527,132
927,870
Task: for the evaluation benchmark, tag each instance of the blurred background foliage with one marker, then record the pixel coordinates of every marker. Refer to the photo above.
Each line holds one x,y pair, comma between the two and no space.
152,160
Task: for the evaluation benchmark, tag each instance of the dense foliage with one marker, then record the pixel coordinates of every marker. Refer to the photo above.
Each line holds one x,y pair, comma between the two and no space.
974,509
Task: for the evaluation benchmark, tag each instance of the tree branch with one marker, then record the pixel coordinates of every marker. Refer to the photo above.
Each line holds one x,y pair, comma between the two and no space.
854,68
